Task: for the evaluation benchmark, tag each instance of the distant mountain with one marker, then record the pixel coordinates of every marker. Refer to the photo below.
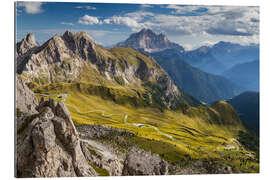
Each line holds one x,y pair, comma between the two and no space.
148,41
201,85
247,106
231,54
216,59
202,58
245,75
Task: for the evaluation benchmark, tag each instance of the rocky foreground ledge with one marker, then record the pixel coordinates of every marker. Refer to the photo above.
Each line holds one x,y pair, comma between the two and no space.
49,145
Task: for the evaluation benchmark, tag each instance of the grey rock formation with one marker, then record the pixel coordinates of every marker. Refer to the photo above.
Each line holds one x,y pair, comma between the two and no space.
26,101
71,57
97,131
139,162
26,44
203,167
149,41
48,146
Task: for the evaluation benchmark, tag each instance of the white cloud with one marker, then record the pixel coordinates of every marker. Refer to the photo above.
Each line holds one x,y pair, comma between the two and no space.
31,7
146,6
212,23
67,23
88,20
86,7
139,15
183,9
126,21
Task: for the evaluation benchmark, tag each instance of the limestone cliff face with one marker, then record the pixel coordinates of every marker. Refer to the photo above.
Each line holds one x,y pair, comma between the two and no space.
25,98
149,41
26,44
47,142
48,145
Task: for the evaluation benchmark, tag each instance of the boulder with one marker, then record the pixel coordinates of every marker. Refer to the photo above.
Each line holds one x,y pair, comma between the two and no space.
139,162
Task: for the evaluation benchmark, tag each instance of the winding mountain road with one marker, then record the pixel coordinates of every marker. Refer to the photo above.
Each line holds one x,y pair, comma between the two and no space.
140,125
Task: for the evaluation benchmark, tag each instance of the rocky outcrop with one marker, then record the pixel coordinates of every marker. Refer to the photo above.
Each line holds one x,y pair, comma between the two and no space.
78,58
98,131
26,44
203,167
139,162
26,101
148,41
48,145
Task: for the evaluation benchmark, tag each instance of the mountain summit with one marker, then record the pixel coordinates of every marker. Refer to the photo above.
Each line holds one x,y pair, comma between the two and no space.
149,41
73,58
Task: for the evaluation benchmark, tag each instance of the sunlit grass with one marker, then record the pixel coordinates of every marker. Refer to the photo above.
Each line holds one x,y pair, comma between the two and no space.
192,135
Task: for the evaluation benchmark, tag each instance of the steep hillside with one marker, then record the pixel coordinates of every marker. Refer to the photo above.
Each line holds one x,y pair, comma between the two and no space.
247,106
203,86
77,58
245,74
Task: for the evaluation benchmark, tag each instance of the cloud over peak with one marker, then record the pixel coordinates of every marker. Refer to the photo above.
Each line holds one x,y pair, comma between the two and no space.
31,7
88,20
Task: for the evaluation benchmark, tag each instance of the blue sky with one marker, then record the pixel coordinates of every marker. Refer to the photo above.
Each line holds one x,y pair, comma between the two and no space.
190,26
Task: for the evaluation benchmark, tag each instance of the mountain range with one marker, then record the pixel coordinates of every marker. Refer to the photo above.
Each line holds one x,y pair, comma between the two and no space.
85,110
189,69
245,74
71,58
213,59
203,86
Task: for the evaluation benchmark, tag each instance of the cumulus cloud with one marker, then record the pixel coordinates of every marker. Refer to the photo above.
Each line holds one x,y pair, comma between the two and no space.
177,9
233,23
126,21
146,6
31,7
88,20
86,7
67,23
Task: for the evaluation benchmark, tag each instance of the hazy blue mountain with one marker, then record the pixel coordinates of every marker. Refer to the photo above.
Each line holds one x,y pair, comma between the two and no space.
201,85
247,106
245,75
216,59
203,59
231,54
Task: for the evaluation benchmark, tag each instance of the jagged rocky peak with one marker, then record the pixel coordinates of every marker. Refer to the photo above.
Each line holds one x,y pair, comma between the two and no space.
149,41
30,38
48,144
26,44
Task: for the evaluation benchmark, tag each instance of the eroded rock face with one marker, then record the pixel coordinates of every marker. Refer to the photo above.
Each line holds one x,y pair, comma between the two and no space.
204,167
139,162
48,146
26,101
26,44
149,41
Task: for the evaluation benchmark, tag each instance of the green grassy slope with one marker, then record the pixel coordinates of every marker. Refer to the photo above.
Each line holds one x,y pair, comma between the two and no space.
196,132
